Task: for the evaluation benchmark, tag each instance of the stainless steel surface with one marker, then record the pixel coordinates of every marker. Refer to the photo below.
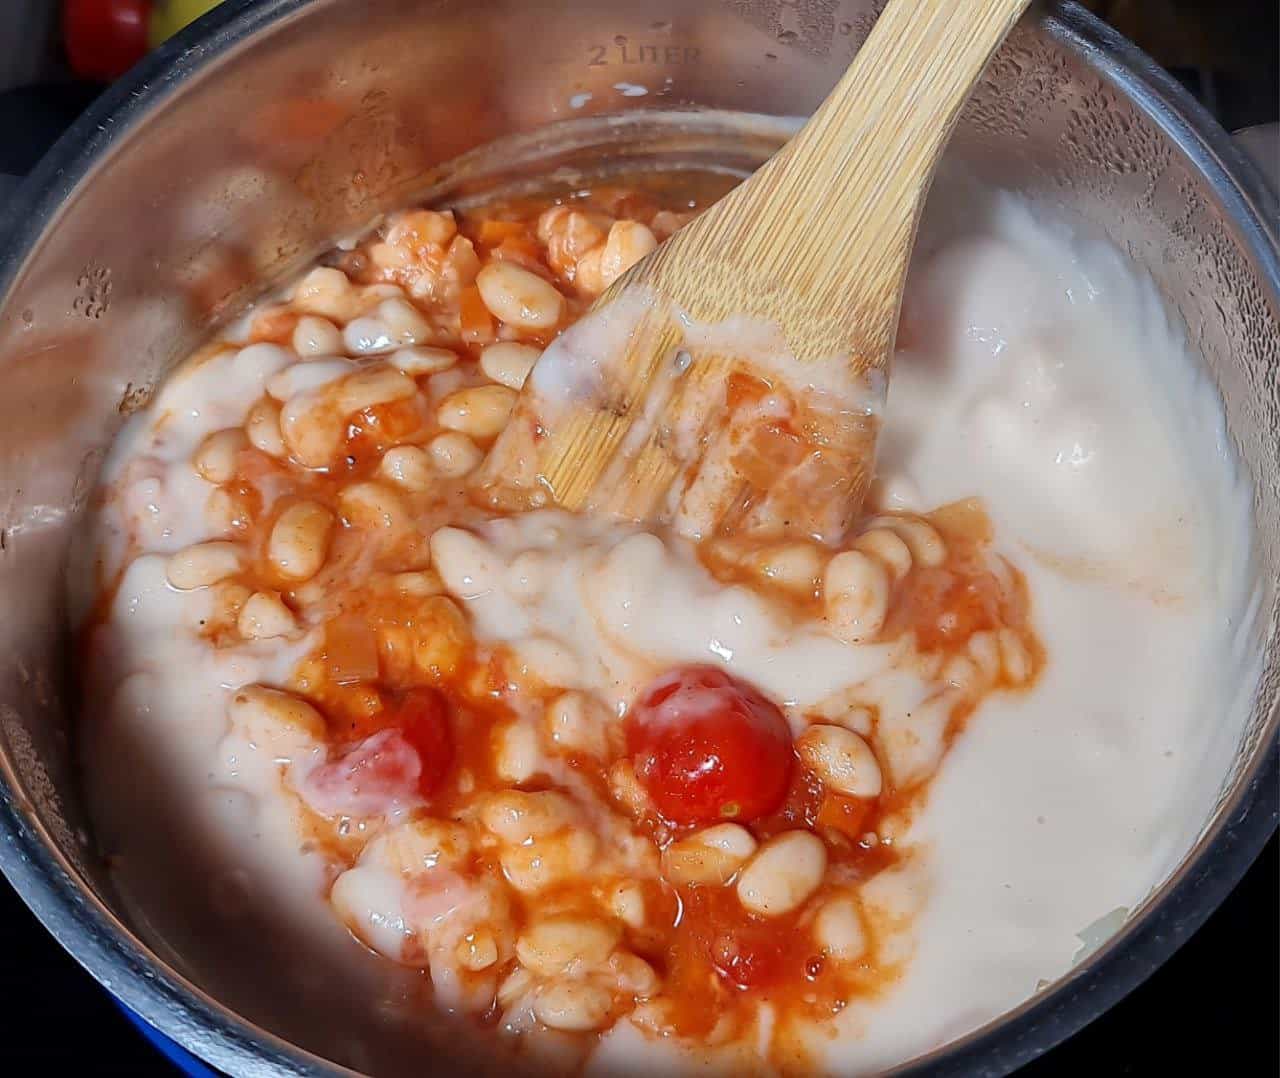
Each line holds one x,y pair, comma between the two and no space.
269,128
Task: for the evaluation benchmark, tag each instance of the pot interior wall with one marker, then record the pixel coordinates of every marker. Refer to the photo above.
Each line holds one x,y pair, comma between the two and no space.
230,171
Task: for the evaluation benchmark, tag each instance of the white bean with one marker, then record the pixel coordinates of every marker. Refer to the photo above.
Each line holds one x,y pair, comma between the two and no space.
574,722
215,458
372,506
408,466
477,950
480,412
327,291
422,360
367,336
709,857
551,945
518,817
533,867
1014,657
837,929
262,425
786,871
299,541
794,567
264,615
465,562
633,974
841,759
628,242
922,539
886,546
420,583
508,363
202,565
300,377
518,297
855,591
314,336
984,649
626,902
572,1006
271,713
516,758
454,454
404,321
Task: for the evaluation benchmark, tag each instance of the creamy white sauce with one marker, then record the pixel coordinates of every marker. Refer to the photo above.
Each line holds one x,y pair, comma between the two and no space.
1038,372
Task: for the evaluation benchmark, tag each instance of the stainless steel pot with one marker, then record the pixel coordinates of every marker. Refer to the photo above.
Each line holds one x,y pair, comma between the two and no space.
195,181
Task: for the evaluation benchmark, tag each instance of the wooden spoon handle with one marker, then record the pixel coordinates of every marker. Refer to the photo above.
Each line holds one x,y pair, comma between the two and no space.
847,190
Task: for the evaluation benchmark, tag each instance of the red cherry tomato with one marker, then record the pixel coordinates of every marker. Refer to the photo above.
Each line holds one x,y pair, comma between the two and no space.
708,747
422,717
105,38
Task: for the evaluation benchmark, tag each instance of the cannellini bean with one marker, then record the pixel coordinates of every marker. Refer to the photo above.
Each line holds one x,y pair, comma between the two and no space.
264,615
313,422
575,723
1013,656
368,389
259,709
837,929
477,950
454,454
262,425
783,874
215,458
588,273
557,859
962,673
628,242
226,511
508,363
479,413
422,360
709,857
299,541
417,227
625,788
553,944
841,759
572,1006
516,757
887,547
405,322
372,506
300,377
633,974
327,291
421,583
411,848
442,639
794,567
922,539
367,336
984,649
516,984
408,466
626,902
314,336
465,562
202,565
855,591
229,599
518,817
518,297
547,660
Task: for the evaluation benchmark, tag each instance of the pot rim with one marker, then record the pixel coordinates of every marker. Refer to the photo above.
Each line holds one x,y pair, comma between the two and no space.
166,1000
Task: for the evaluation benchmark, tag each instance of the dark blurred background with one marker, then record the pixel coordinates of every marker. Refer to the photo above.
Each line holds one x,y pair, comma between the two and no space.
1214,1007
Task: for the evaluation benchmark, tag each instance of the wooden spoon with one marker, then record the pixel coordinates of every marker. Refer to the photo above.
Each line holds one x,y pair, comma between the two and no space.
765,424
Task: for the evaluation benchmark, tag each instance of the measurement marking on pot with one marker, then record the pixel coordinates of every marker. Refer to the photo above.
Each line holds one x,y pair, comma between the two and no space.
634,53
